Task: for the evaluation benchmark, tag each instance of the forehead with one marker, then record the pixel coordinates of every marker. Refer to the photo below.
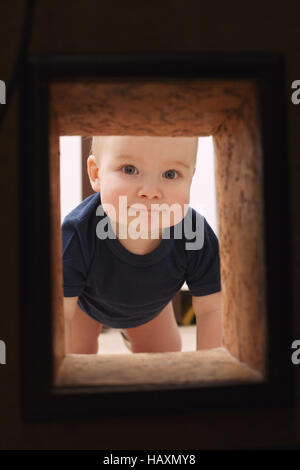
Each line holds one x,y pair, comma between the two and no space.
144,146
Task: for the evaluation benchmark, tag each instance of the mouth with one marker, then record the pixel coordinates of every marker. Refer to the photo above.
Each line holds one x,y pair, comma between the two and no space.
146,210
151,210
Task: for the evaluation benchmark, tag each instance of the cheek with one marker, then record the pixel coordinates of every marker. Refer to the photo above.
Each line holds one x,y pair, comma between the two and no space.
111,192
113,184
179,192
181,199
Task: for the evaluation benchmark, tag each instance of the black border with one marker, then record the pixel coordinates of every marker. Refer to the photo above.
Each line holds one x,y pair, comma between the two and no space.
39,399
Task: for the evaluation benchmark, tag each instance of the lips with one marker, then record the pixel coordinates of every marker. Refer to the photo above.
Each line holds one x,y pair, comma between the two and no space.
150,210
145,210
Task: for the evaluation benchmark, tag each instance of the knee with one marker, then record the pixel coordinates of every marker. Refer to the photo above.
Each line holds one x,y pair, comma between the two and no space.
90,347
173,346
178,345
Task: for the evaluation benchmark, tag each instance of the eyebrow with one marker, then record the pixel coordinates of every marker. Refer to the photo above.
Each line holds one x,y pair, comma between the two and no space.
125,157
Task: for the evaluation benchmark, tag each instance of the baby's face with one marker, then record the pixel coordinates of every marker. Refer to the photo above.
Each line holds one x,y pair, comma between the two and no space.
148,170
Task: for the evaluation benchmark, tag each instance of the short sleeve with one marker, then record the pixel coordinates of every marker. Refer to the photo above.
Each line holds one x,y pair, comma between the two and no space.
74,260
203,265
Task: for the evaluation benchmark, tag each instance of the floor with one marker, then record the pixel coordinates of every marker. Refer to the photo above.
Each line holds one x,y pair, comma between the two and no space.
111,341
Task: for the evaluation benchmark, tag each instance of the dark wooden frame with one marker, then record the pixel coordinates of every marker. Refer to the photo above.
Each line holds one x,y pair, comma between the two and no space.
39,398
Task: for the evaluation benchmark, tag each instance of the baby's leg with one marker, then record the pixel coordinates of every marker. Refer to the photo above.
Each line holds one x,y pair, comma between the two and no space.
158,335
85,332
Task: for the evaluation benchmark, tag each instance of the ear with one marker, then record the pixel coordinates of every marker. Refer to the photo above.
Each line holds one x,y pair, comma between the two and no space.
93,172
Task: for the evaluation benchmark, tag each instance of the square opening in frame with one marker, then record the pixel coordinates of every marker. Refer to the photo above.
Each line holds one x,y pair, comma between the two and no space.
118,97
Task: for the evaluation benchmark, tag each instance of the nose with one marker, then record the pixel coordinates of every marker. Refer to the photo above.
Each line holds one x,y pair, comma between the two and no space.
150,190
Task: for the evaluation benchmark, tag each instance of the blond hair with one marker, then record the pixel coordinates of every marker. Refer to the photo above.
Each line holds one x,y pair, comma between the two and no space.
96,148
97,144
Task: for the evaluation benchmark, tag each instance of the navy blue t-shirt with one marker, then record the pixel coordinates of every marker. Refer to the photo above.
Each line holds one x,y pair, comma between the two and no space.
121,289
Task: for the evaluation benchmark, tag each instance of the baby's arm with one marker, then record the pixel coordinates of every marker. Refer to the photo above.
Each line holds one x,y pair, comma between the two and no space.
208,312
70,305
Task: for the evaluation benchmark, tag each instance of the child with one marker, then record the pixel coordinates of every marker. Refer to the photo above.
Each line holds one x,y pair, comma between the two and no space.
123,274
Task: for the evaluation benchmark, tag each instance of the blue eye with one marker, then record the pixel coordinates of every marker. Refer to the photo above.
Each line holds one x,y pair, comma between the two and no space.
129,166
129,170
170,172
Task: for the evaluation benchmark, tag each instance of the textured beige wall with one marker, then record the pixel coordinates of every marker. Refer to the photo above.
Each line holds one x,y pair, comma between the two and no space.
94,27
